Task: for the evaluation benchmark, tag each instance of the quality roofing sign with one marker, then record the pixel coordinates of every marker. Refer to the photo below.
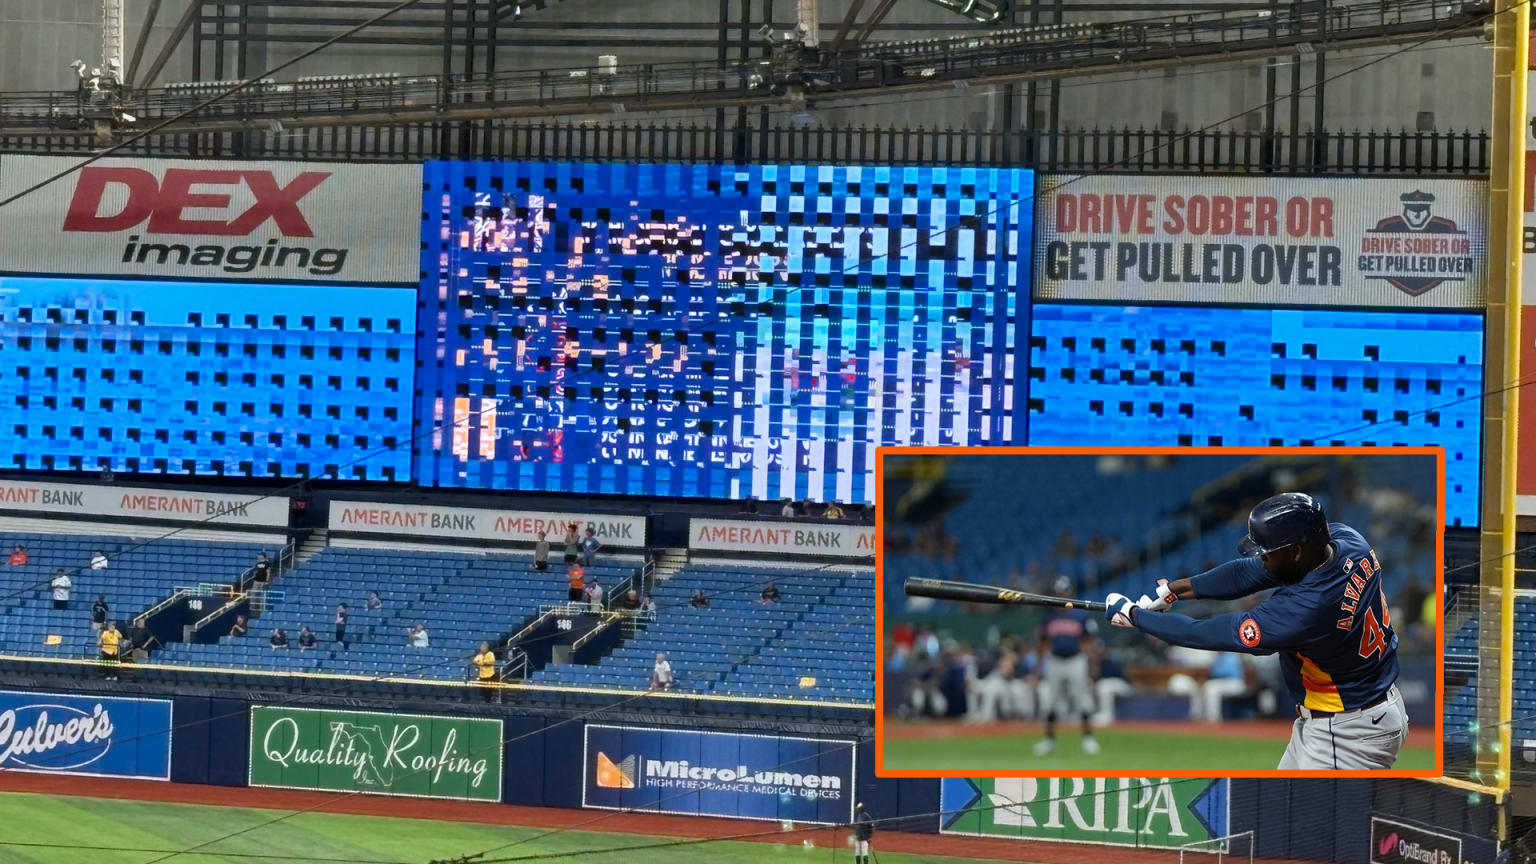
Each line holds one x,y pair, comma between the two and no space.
1260,241
201,219
97,736
376,752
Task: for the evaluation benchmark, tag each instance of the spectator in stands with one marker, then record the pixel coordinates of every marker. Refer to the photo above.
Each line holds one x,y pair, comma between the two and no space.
770,594
646,604
699,601
661,674
572,544
110,642
485,669
261,571
19,556
99,611
140,640
788,510
631,600
541,553
241,627
589,546
833,511
278,639
576,578
341,627
418,636
594,594
307,638
374,603
98,560
60,584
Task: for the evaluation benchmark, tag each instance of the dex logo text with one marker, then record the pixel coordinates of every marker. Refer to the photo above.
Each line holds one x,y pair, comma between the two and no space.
164,202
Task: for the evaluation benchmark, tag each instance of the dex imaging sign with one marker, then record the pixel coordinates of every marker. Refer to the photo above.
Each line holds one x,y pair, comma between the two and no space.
718,774
46,733
212,220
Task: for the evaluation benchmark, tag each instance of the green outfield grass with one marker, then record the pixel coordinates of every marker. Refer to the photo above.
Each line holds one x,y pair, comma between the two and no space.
144,825
1131,750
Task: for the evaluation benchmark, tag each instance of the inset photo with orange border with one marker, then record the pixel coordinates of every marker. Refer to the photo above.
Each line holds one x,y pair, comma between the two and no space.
1160,612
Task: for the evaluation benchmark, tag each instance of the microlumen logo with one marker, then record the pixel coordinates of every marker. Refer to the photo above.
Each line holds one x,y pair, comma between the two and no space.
611,775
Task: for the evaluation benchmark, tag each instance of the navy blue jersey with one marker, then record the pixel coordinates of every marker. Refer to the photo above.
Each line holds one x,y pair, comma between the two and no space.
1331,630
1066,629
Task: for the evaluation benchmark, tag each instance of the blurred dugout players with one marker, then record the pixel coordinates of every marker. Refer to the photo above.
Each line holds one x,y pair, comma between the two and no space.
1066,686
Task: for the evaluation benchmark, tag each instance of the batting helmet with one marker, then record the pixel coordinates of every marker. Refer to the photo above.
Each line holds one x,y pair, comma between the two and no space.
1289,519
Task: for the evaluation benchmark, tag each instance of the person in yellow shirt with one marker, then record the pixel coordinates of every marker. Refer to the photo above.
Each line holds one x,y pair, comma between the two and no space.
111,641
485,670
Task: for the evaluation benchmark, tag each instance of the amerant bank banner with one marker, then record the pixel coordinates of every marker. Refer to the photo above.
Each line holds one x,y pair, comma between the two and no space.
1397,243
203,219
468,523
132,502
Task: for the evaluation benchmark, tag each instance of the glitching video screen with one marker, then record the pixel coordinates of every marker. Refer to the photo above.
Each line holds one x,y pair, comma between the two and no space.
714,331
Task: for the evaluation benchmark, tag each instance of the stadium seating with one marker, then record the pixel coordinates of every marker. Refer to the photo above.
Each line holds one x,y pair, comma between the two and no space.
137,578
816,643
462,600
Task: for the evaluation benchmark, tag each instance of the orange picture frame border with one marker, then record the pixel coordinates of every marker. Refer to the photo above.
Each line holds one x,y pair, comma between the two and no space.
882,452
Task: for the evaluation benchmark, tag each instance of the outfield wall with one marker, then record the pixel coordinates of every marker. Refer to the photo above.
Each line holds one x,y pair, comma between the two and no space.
489,753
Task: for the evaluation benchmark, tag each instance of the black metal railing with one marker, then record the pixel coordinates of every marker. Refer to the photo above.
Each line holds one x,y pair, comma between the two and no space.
1454,153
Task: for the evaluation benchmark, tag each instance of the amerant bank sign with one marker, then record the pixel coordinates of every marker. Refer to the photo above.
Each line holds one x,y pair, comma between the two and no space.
296,221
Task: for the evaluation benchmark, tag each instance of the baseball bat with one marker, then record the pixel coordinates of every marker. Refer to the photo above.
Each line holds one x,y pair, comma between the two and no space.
943,589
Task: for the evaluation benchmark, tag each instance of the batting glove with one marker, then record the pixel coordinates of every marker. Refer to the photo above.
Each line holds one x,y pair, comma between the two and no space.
1119,609
1164,598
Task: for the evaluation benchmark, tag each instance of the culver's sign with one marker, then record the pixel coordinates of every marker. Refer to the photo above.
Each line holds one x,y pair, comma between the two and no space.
95,736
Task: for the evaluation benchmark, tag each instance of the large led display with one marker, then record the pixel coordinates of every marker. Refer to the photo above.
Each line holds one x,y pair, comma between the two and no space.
1175,375
194,378
715,331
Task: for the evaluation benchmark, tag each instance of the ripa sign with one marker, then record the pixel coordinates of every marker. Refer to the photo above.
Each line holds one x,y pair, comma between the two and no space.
1146,811
198,219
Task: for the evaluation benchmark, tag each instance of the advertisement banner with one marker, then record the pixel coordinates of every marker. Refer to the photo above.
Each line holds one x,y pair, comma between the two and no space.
1395,243
93,736
1397,842
203,219
718,774
1525,464
1163,813
467,523
413,755
782,538
216,509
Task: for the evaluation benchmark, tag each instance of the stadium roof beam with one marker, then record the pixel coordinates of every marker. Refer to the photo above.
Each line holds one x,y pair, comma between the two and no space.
1014,55
150,15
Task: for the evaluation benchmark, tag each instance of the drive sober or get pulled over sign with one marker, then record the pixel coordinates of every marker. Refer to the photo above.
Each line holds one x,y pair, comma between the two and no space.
1258,241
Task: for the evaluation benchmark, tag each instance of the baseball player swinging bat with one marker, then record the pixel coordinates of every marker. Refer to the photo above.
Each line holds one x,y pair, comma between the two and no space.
943,589
1327,620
